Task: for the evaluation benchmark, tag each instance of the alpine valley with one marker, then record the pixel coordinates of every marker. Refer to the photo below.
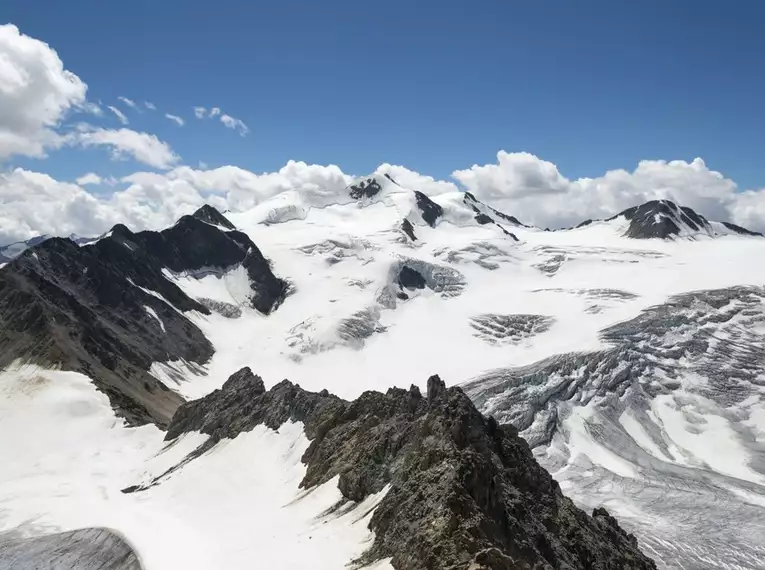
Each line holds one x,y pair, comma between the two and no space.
382,379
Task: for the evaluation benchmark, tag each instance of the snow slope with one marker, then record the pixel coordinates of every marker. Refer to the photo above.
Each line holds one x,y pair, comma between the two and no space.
236,504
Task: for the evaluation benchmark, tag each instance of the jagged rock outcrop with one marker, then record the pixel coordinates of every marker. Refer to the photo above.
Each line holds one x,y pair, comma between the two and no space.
429,210
487,215
364,189
463,491
408,229
663,219
109,311
739,230
212,216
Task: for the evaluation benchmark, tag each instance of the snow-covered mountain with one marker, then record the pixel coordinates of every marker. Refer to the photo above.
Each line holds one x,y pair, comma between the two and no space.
627,352
13,250
666,220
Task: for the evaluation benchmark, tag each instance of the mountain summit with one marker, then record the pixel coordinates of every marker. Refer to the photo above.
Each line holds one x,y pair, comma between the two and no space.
110,309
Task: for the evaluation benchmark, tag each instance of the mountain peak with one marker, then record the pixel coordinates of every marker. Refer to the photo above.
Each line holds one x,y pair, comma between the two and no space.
664,219
212,216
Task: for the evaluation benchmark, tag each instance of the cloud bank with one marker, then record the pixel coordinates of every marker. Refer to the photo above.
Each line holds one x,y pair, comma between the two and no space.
518,183
36,93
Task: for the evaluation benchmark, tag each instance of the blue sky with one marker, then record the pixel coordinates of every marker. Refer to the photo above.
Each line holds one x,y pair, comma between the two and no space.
433,85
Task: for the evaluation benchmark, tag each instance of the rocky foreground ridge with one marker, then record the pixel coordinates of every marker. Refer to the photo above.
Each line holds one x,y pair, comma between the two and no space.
464,491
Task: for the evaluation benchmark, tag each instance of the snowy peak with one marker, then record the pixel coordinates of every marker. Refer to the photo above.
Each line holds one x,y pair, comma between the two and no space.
663,219
739,230
212,216
368,188
13,250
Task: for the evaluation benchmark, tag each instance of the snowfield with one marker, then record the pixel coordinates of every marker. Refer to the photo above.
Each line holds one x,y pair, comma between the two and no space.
649,406
238,503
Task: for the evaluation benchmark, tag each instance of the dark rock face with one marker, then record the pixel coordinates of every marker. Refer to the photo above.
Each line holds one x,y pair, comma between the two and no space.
85,549
408,229
107,310
478,206
212,216
408,278
740,230
429,210
484,213
365,189
662,219
463,491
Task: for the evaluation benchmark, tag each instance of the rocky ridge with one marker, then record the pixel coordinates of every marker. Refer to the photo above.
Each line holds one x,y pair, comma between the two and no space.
109,310
463,492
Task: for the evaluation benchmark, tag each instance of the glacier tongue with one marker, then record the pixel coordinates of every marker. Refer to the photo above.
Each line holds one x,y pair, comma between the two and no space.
665,427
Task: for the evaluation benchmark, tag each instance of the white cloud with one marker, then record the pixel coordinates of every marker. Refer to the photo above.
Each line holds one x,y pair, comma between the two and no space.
36,92
119,114
124,143
128,102
149,106
92,108
515,175
416,181
200,112
235,124
89,178
176,119
214,112
534,191
33,203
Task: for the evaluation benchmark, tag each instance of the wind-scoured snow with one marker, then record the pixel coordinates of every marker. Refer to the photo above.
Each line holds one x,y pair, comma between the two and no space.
67,459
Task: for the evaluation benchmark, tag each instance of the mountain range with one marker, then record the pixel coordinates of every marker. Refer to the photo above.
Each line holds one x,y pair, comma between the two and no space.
461,389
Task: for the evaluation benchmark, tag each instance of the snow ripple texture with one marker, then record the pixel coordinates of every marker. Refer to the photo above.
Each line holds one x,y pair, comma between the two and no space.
664,422
509,329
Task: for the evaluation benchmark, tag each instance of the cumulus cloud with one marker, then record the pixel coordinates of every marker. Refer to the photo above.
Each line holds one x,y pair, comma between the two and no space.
149,106
200,112
33,203
129,102
89,178
534,191
126,143
214,112
36,93
176,119
119,114
515,175
416,181
236,124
